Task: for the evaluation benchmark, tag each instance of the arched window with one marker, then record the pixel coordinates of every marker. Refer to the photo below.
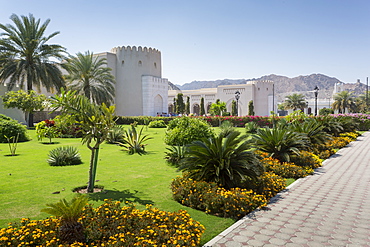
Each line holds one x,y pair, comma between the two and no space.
140,63
155,65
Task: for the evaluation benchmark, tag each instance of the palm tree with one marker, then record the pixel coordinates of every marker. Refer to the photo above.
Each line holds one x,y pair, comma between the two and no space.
70,230
89,76
295,101
226,160
26,58
342,101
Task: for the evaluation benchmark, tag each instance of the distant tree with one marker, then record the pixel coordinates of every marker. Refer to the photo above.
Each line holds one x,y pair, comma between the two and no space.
180,109
326,111
218,108
363,103
187,106
90,76
234,109
174,105
251,108
28,102
202,109
342,101
25,57
295,101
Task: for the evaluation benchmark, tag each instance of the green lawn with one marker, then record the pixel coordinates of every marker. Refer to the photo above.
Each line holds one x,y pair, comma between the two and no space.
27,182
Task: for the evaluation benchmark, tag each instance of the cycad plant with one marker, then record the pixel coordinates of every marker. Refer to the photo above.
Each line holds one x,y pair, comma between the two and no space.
226,160
134,141
313,129
70,230
280,143
175,154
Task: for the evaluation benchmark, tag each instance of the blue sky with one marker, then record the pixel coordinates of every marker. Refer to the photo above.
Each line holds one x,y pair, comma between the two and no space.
218,39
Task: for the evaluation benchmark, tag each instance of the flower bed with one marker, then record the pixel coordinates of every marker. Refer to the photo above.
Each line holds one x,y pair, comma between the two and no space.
111,225
209,197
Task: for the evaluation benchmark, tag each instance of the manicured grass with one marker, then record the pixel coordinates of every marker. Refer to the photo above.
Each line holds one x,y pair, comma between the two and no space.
27,182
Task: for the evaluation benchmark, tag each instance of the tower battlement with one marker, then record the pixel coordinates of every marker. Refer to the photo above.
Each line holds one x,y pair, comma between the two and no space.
135,49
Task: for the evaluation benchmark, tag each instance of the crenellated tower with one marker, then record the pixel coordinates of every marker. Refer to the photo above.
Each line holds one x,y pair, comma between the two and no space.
140,88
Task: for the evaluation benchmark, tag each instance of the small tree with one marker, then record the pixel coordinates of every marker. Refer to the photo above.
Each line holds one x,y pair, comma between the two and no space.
187,106
251,108
202,109
27,102
180,109
234,109
218,108
95,121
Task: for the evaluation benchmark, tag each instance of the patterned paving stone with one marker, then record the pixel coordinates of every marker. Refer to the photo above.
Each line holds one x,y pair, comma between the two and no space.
329,208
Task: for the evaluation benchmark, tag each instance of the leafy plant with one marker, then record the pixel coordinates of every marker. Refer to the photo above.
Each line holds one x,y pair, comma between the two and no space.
134,141
175,154
13,142
184,130
225,160
280,143
64,156
116,134
70,230
157,124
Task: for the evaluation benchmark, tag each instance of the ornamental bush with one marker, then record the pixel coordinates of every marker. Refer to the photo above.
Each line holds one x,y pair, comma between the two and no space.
209,197
185,130
10,127
111,225
157,124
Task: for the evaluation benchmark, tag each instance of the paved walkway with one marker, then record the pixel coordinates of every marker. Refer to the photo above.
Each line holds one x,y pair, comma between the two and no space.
329,208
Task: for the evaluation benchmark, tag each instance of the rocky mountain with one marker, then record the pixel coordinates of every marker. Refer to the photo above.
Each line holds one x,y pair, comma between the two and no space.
285,86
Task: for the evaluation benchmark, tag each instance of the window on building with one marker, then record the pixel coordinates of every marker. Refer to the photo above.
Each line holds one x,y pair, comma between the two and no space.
123,62
155,65
140,63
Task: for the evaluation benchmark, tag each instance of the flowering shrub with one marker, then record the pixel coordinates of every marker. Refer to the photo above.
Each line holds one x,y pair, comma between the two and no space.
111,225
352,135
285,169
67,126
268,185
307,159
340,142
209,197
46,129
213,121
